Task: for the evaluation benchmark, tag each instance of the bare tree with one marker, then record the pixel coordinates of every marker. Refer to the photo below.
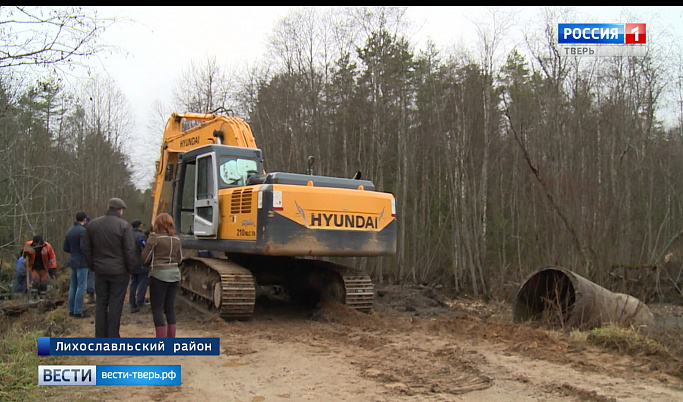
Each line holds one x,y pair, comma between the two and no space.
46,36
203,87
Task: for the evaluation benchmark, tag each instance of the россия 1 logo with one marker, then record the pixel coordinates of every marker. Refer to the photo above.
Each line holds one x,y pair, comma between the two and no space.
588,39
602,33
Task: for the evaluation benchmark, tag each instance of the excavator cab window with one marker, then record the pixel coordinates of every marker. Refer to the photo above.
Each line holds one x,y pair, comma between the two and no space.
204,179
235,171
206,196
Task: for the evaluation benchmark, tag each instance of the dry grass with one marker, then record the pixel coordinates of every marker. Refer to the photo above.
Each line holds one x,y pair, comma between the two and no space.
19,361
625,340
19,358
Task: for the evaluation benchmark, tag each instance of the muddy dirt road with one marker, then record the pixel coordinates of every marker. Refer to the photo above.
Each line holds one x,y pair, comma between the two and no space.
410,348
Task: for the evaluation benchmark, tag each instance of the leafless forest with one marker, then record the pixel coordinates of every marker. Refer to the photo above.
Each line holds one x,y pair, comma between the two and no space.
502,158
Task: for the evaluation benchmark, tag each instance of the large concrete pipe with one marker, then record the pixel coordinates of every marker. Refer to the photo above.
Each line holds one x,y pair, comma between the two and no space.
559,297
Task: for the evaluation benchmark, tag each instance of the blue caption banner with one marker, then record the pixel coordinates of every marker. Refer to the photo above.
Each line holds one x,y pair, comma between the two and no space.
110,375
128,346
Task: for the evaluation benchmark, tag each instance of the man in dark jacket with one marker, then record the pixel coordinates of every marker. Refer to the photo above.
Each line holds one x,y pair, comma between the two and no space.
138,279
79,270
109,250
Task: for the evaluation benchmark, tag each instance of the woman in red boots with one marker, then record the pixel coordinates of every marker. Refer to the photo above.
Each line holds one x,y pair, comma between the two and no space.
163,254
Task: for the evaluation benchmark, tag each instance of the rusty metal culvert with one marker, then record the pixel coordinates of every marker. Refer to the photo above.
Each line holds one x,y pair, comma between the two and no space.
561,298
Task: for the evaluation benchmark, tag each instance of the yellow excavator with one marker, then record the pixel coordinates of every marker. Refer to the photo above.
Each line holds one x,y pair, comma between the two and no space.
243,229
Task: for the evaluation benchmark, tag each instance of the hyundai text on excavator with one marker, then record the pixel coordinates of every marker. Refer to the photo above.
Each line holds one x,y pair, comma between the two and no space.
242,228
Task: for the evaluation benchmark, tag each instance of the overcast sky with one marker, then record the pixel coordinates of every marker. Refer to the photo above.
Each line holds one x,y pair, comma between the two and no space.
160,42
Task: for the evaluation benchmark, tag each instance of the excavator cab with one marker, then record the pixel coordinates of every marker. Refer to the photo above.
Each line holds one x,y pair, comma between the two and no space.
202,173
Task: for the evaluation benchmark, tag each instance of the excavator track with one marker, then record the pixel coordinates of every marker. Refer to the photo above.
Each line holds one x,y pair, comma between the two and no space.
221,285
358,291
337,283
229,286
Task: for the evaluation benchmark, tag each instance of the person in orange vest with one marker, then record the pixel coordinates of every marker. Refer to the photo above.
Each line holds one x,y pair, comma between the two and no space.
40,268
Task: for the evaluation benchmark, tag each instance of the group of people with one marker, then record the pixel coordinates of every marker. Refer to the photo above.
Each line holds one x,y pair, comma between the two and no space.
117,255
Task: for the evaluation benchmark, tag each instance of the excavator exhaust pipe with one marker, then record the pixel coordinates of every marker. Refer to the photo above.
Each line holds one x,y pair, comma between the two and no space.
561,298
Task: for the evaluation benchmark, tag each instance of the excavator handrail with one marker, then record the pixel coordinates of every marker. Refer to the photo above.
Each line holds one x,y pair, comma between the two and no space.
227,112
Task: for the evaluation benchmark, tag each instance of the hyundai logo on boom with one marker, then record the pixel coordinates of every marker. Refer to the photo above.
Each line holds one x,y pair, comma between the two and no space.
189,142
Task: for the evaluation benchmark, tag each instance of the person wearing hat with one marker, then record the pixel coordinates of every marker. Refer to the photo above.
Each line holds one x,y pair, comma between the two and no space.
41,261
138,279
79,270
109,250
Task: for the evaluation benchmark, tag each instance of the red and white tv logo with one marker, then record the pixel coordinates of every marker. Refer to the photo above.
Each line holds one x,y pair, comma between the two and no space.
635,33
